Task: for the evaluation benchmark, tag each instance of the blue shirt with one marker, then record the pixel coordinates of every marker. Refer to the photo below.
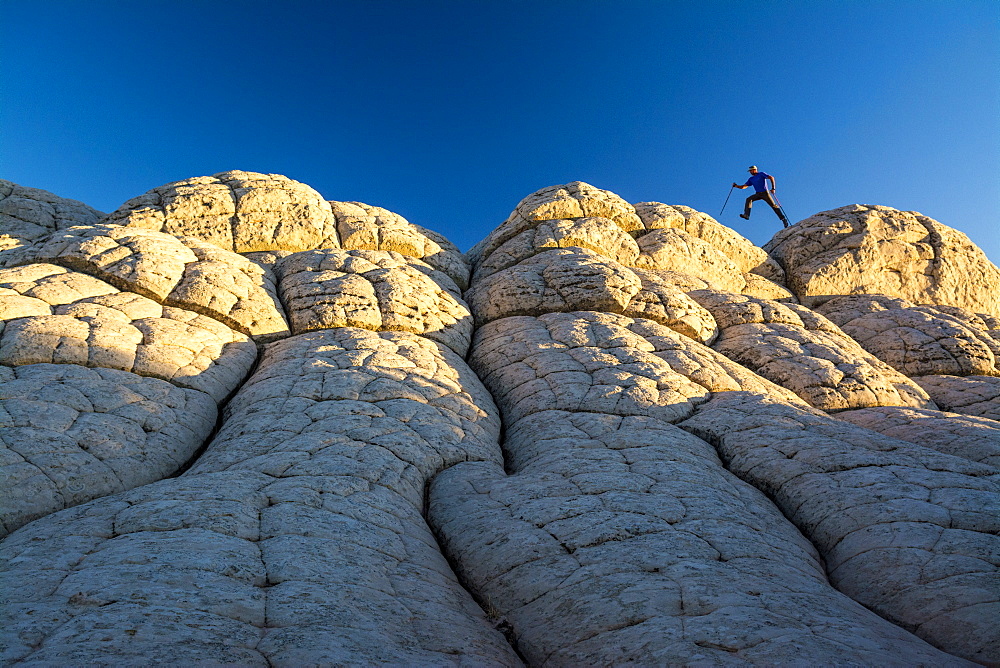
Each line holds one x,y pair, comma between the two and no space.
757,181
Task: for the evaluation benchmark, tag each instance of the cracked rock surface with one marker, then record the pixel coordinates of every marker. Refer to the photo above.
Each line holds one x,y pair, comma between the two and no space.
870,249
974,438
974,395
365,227
126,331
803,351
244,425
376,290
907,531
916,340
184,272
238,211
600,549
747,257
69,434
29,215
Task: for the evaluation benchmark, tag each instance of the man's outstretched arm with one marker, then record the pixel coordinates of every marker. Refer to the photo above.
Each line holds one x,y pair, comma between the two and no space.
773,184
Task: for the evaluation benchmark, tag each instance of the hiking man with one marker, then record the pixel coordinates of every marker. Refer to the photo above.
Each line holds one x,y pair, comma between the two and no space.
757,180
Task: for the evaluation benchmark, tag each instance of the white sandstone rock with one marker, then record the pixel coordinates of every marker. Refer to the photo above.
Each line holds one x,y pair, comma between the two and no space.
70,434
238,211
909,532
747,256
869,249
377,290
803,351
365,227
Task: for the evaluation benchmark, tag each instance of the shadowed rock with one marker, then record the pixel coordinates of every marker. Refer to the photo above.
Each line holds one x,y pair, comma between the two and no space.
976,439
601,548
70,434
907,531
29,215
973,395
297,539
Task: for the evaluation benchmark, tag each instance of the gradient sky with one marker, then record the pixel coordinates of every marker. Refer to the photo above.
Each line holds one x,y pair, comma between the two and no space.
450,112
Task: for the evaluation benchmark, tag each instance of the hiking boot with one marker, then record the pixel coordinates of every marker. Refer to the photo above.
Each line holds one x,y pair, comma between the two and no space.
744,216
785,223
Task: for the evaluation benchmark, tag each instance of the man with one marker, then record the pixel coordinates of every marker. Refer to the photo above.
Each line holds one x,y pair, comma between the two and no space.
758,181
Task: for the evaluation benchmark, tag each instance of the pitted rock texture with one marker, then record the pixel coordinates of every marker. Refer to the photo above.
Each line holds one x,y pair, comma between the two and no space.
600,235
566,202
675,250
28,215
748,257
365,227
662,300
600,549
974,438
596,486
973,395
916,340
117,330
803,351
911,533
377,290
570,279
297,539
868,249
184,272
70,434
599,362
237,211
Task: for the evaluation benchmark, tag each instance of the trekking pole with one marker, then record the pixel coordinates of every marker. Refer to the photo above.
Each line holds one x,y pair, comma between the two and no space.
727,200
780,208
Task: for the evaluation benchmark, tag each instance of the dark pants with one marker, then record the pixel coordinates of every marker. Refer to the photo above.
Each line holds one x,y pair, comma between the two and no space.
766,196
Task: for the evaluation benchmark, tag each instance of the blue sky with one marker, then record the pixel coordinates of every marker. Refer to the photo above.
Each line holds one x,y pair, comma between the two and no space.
450,112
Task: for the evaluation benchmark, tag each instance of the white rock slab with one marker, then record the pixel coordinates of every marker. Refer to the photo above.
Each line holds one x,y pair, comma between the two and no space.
909,532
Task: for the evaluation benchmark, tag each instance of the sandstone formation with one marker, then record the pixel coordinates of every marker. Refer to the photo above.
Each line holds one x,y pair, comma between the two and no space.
377,290
907,531
365,227
803,351
244,425
238,211
974,395
69,434
976,439
878,250
28,215
917,340
740,250
185,272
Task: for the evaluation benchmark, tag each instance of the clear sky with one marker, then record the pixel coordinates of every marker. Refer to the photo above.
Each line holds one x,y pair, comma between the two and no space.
450,112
